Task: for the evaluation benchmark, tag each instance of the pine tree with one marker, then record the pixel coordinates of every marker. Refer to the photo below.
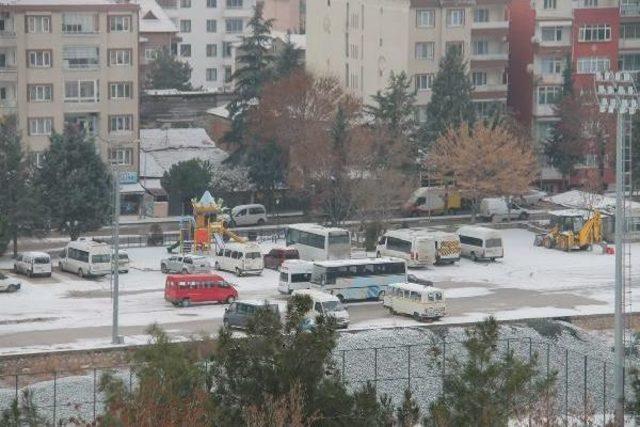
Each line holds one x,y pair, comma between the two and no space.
168,72
22,211
567,78
76,184
394,109
254,69
266,168
408,414
288,59
450,99
184,181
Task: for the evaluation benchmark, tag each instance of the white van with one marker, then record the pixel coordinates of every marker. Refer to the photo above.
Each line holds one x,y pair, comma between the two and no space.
123,262
480,243
241,258
497,209
447,245
412,245
86,257
294,274
248,215
33,264
411,299
325,305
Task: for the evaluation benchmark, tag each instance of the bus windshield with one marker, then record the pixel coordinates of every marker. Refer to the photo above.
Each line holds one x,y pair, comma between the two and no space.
332,306
339,239
100,259
253,255
493,243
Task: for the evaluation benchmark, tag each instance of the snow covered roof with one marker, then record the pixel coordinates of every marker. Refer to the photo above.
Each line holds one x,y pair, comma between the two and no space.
571,212
176,92
583,200
162,148
220,111
153,19
416,287
298,40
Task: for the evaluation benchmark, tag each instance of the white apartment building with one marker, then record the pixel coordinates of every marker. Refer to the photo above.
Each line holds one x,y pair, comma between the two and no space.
208,31
362,41
69,62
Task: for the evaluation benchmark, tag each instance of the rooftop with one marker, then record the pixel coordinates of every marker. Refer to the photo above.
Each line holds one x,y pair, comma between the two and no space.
153,19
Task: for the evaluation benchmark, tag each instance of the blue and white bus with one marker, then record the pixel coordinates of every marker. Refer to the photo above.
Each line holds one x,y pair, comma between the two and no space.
317,243
358,279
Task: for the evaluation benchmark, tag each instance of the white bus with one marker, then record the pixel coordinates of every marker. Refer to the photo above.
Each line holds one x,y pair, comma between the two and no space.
317,243
86,257
412,245
480,243
295,274
358,279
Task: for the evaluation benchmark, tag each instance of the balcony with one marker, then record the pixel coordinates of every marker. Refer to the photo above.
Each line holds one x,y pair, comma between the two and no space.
544,110
491,88
491,25
630,9
629,43
548,78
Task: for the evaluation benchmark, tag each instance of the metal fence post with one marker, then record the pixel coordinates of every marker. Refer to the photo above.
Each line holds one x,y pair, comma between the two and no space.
566,386
409,367
16,387
530,397
94,393
585,391
375,366
548,345
343,366
604,393
55,391
130,383
444,363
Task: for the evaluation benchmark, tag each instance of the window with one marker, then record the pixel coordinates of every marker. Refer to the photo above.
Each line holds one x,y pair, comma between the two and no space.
425,18
227,49
550,4
629,62
38,24
121,156
548,95
184,4
228,72
481,47
551,34
481,15
395,244
485,109
425,50
212,25
630,30
185,25
424,81
81,91
79,23
40,93
3,93
479,78
39,58
3,60
151,53
212,50
120,90
119,24
591,33
212,74
120,123
589,3
40,126
185,50
233,25
590,65
457,47
212,3
234,4
119,57
551,66
80,57
455,17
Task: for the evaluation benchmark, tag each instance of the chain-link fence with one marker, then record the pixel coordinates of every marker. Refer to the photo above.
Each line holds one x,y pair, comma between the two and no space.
584,387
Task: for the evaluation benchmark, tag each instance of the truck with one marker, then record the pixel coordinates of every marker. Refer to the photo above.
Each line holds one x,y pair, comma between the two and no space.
433,201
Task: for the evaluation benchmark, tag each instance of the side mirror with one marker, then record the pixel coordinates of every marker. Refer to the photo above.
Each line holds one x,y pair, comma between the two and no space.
226,309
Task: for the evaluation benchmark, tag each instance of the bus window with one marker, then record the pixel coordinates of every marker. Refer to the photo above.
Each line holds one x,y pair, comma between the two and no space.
337,239
234,255
227,253
300,277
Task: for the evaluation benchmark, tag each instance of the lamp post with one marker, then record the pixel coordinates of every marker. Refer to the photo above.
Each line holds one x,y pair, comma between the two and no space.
115,259
617,95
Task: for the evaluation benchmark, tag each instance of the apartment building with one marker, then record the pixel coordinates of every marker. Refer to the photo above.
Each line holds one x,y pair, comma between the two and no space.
208,32
157,33
594,35
362,41
65,62
287,15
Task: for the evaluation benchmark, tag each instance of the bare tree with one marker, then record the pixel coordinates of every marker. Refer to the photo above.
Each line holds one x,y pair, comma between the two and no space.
484,161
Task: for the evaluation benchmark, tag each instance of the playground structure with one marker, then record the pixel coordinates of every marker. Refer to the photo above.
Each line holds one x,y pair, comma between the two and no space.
205,228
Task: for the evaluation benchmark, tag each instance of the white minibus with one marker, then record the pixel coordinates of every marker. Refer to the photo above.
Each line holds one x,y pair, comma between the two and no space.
241,258
294,274
326,305
33,264
420,302
317,243
447,246
480,243
86,257
412,245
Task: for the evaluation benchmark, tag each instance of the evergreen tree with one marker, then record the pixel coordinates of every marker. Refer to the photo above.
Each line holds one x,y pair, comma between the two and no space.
23,412
254,69
394,109
567,78
184,181
20,206
408,414
288,59
635,152
489,387
76,184
168,72
266,168
450,99
4,235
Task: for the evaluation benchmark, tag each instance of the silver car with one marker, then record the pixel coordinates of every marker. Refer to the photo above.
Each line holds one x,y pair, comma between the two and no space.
185,264
8,284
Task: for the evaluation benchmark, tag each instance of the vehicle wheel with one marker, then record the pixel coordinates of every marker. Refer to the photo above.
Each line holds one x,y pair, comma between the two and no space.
225,324
474,257
523,216
391,310
81,274
30,273
231,299
261,221
164,269
15,268
416,317
492,218
185,271
238,272
340,298
216,265
186,302
378,255
380,295
493,259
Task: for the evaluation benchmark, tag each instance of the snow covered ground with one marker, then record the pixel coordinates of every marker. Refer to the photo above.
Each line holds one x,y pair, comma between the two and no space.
529,282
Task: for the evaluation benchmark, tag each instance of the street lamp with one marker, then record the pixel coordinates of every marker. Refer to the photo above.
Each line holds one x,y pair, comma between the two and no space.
617,94
115,259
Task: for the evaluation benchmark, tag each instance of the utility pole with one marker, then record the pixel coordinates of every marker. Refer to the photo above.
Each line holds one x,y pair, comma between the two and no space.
617,95
115,259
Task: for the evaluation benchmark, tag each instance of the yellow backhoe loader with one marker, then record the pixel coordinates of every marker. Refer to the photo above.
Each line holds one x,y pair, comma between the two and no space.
572,229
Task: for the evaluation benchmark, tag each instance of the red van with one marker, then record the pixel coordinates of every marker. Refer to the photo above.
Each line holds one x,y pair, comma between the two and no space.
188,289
